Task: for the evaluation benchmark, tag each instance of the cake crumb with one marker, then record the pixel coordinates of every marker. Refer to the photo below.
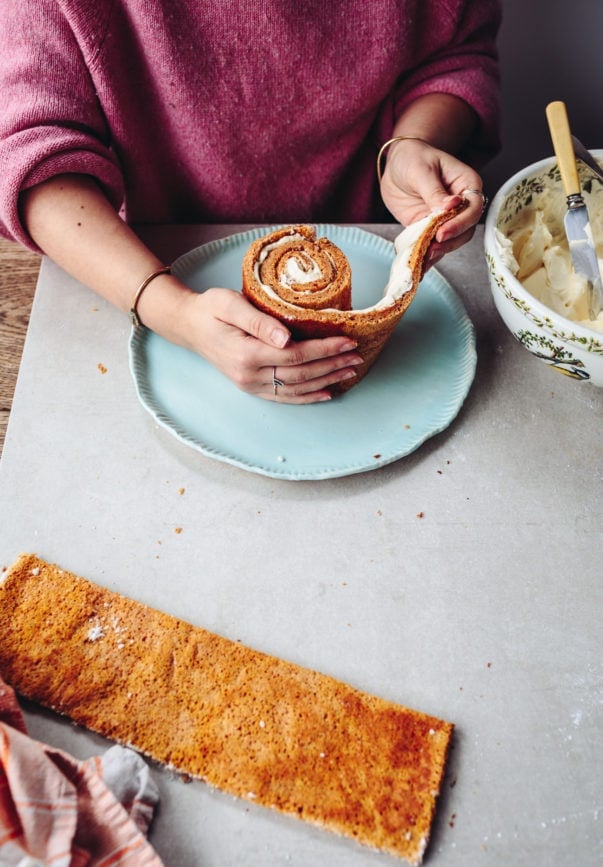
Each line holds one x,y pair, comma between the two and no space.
101,367
420,514
177,530
181,491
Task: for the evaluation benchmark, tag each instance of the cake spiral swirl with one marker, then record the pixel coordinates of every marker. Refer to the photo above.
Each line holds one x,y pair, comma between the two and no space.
306,283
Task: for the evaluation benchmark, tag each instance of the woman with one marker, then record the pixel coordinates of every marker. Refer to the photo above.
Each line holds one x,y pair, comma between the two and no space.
132,111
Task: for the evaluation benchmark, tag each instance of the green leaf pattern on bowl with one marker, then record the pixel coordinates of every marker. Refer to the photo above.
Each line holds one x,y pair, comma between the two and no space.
555,355
524,193
529,188
587,344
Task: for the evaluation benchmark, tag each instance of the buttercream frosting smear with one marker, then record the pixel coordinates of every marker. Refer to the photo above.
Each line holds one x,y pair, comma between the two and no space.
302,273
534,247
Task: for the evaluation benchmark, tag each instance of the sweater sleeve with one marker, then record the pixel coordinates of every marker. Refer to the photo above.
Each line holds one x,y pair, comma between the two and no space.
51,122
465,65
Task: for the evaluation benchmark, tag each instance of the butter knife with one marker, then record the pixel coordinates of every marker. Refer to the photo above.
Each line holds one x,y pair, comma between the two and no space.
587,158
576,221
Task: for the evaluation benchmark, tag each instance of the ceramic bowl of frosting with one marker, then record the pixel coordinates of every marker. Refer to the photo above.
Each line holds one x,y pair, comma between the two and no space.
539,297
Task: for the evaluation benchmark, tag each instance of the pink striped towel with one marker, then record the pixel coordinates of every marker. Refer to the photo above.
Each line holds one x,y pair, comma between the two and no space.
61,812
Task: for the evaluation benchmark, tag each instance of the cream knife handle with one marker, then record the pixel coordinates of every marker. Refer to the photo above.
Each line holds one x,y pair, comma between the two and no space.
556,116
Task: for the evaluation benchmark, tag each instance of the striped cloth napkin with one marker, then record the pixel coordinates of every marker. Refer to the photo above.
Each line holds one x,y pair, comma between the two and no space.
56,810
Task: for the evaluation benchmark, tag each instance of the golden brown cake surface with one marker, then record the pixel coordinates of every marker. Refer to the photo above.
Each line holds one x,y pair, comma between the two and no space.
248,723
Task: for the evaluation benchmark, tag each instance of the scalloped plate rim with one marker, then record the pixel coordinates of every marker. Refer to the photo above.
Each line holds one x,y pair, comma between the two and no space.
431,426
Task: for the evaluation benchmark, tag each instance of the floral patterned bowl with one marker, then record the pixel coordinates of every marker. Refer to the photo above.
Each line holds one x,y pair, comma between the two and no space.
572,348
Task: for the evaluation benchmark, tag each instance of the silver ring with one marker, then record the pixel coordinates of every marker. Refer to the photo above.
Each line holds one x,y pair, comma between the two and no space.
484,198
276,382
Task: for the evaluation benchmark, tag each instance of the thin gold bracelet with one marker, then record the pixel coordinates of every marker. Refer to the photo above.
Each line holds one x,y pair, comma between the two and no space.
135,319
392,141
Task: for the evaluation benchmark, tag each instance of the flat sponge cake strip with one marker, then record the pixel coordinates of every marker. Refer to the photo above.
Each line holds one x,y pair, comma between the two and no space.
245,722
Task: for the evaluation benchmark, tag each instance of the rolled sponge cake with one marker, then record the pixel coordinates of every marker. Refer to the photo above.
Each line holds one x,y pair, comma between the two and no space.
248,723
306,282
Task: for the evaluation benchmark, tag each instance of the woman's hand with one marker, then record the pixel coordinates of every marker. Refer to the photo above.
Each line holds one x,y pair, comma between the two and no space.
419,178
72,221
256,351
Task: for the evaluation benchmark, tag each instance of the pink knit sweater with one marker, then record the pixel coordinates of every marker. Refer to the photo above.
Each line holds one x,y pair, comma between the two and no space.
205,111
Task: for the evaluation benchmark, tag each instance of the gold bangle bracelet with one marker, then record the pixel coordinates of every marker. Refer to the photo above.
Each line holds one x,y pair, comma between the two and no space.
135,319
390,142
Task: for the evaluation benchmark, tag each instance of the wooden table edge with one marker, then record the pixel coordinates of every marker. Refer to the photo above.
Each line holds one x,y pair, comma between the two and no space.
19,270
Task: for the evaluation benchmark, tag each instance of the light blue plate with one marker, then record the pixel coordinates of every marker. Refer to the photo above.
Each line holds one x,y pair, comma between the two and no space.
414,390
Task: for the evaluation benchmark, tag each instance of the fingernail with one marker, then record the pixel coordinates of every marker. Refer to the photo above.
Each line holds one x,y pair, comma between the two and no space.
348,375
280,338
349,344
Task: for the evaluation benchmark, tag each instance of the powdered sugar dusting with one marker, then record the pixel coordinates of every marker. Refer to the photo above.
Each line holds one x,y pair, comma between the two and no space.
106,624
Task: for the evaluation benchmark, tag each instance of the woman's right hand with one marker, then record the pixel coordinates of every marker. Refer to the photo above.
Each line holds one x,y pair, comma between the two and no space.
251,348
71,220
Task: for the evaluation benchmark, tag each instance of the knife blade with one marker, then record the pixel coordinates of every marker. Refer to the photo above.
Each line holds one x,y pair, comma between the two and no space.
576,220
585,155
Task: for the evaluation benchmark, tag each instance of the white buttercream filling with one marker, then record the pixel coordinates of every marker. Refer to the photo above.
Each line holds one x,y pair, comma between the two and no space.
533,246
294,273
400,276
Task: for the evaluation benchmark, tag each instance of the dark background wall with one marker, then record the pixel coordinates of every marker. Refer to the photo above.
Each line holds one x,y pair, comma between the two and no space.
549,49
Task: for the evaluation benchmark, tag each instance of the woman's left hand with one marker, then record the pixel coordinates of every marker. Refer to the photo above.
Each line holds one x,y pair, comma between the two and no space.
419,178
